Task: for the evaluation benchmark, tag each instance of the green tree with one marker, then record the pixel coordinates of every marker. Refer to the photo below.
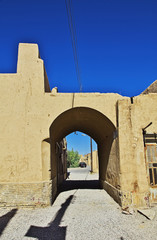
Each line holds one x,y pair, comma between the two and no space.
73,158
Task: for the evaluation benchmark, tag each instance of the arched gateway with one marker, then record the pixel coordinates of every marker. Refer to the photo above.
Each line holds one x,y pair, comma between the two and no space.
96,125
34,120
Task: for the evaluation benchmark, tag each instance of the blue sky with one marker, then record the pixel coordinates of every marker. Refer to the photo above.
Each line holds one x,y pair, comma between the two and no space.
116,42
80,142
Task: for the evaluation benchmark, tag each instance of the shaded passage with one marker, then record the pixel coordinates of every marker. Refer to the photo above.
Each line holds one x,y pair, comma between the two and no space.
4,220
79,184
53,231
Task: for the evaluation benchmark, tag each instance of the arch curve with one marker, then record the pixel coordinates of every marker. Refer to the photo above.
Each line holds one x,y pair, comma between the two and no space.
83,119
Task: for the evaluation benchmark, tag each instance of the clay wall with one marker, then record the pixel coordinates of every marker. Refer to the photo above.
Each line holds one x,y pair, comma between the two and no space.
33,119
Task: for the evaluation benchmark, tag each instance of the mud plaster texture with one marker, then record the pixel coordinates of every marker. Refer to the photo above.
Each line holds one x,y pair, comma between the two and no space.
34,119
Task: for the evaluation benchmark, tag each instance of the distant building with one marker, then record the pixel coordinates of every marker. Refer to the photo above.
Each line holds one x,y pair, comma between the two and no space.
94,159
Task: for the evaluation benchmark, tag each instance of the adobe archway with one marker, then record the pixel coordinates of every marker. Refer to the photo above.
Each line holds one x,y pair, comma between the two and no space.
96,125
29,107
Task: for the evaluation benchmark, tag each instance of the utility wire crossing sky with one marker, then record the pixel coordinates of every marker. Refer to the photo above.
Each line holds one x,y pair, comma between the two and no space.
72,29
114,42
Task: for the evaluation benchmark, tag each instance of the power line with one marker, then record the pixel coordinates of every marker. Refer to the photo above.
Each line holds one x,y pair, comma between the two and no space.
72,29
73,35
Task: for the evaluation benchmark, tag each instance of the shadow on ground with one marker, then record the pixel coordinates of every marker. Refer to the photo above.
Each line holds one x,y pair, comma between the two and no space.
4,220
79,184
53,231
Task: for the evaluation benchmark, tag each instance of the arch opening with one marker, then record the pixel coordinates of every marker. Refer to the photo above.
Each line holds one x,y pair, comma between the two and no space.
79,149
97,126
81,173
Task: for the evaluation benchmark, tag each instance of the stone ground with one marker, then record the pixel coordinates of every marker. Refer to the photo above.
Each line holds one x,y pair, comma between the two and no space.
81,211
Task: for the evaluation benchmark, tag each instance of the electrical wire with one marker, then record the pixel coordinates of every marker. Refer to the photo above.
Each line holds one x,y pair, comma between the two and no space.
72,28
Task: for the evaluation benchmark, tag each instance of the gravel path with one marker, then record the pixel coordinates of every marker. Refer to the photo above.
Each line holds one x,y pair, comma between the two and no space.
77,214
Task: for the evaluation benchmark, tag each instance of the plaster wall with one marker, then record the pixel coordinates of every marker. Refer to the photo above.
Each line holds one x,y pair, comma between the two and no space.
132,119
29,109
113,169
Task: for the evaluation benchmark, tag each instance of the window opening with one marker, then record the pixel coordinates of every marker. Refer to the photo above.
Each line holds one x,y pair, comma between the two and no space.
151,162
